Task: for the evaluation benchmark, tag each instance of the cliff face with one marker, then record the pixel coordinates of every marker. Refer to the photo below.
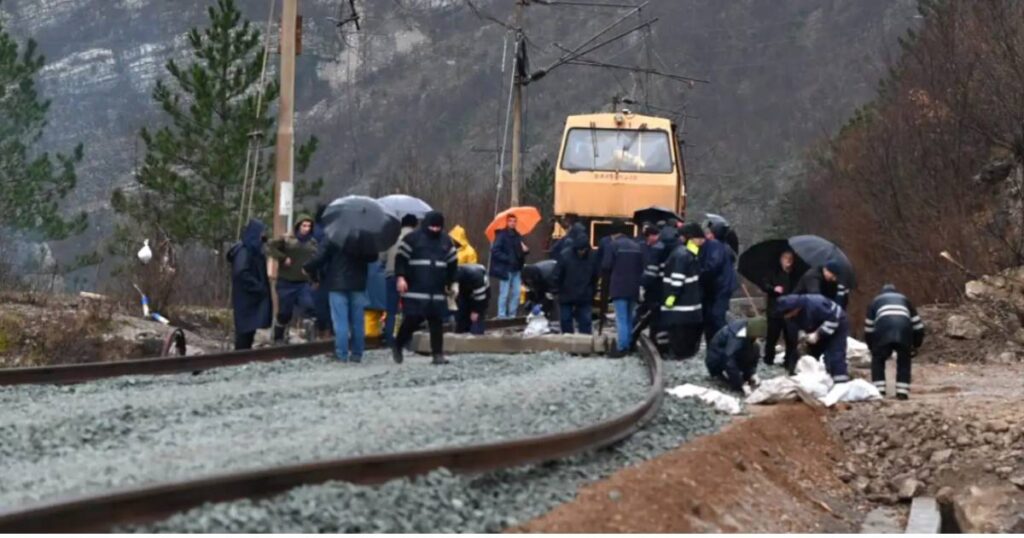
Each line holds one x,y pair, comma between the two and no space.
423,77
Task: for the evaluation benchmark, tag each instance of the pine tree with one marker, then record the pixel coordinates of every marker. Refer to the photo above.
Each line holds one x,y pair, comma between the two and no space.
539,189
31,183
190,185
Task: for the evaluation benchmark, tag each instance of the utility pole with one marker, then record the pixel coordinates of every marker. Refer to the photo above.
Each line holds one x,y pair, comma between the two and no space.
284,162
517,104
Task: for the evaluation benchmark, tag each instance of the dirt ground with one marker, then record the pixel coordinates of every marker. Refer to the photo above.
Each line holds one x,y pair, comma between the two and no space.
789,468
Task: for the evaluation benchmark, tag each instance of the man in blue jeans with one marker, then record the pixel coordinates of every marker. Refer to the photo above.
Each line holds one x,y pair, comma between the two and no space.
344,272
622,268
508,256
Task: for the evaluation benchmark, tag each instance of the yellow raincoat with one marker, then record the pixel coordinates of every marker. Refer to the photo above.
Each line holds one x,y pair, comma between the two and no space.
466,252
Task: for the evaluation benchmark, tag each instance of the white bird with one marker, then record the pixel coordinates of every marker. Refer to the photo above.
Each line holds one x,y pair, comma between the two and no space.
145,254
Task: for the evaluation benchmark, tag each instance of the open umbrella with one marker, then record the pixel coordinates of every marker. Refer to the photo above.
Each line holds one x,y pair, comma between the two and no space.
403,204
654,214
723,230
760,261
818,251
528,218
361,220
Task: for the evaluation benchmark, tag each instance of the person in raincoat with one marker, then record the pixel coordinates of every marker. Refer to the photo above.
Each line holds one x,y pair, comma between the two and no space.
827,329
294,293
718,280
892,326
732,354
426,267
250,286
681,313
466,252
376,297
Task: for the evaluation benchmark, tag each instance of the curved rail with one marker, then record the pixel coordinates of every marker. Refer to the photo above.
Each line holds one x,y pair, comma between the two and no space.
78,373
152,503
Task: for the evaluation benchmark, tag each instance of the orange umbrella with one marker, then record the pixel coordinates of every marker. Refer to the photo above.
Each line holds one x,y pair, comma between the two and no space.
528,219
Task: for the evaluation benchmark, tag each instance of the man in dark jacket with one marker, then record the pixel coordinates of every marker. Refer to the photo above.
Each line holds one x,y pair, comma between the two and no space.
250,287
292,251
823,280
426,267
574,228
827,328
681,314
321,297
343,271
576,275
541,286
409,225
778,283
732,354
623,269
718,280
473,299
508,256
893,326
650,283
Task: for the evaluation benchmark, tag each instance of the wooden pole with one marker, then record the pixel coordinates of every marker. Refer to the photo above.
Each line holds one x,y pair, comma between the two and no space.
517,110
285,149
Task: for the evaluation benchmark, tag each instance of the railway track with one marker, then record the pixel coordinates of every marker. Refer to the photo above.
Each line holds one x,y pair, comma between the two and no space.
138,505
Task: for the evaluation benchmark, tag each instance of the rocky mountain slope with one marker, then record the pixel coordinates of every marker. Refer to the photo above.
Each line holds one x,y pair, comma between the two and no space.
423,78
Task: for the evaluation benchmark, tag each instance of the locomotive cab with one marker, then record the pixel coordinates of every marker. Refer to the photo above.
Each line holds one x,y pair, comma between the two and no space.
612,164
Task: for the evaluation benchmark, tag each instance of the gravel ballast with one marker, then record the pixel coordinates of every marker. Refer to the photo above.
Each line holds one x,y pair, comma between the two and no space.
89,438
442,502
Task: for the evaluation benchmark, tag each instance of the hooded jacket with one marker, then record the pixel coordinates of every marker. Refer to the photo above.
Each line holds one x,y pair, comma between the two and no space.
539,279
577,230
717,271
465,251
429,264
576,273
299,248
817,314
250,287
474,289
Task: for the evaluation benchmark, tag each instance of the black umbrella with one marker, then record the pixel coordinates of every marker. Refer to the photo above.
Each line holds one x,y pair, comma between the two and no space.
818,251
403,204
723,231
654,214
760,261
359,222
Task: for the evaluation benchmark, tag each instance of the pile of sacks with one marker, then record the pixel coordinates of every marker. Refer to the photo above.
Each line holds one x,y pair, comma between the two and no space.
812,384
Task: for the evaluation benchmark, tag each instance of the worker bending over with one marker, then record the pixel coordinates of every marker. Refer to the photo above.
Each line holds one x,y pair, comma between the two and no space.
474,296
732,354
893,326
827,329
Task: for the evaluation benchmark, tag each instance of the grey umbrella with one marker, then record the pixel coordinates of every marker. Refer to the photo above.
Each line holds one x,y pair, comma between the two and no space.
818,251
403,204
359,224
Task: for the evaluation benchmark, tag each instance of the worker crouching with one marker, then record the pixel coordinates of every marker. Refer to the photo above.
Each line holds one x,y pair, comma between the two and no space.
893,326
827,329
425,267
474,296
732,354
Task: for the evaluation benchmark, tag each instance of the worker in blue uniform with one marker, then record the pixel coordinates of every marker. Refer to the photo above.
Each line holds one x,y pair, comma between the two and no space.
893,326
827,328
732,354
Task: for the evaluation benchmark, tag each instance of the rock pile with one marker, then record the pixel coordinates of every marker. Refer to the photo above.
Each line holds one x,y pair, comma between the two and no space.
902,451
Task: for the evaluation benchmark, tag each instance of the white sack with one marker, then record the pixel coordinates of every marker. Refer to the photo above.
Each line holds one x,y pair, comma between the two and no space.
722,402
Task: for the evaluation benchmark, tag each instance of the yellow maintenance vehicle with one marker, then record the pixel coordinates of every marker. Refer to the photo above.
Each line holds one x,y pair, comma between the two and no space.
612,164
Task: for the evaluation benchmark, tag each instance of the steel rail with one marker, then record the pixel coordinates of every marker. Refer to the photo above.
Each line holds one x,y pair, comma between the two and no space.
78,373
145,504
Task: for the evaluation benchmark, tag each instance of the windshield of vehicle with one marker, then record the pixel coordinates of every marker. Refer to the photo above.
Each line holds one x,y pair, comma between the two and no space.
617,150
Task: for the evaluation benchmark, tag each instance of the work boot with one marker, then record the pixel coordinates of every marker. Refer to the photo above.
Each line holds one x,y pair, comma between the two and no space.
439,359
279,334
396,353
